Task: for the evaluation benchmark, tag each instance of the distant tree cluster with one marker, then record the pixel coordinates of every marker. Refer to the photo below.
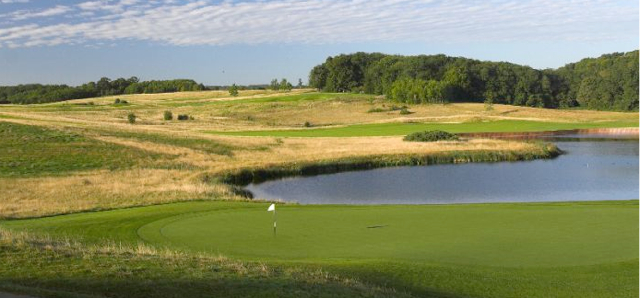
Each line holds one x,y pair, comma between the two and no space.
240,87
282,85
37,93
180,85
609,82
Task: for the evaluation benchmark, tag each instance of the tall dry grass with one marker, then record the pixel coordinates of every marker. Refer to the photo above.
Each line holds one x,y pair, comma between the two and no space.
99,190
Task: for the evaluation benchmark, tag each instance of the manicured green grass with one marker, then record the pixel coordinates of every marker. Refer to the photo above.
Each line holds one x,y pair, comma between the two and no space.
29,150
533,250
392,129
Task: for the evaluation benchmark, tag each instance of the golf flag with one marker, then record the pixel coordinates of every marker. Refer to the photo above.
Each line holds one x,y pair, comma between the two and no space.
273,208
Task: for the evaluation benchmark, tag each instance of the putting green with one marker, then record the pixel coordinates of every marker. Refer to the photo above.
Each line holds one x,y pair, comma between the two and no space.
490,234
582,249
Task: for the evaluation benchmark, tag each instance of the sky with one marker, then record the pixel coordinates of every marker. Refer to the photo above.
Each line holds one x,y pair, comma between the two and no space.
251,42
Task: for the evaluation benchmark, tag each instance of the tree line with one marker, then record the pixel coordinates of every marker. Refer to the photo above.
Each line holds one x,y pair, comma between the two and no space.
609,82
38,93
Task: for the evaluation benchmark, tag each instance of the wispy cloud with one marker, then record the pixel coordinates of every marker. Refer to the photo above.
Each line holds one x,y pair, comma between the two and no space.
13,1
325,21
26,14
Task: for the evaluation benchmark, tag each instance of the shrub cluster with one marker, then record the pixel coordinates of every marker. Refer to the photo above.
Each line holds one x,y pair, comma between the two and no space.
168,115
131,118
185,117
405,111
430,136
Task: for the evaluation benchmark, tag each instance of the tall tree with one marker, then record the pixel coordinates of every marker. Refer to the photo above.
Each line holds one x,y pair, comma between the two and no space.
233,90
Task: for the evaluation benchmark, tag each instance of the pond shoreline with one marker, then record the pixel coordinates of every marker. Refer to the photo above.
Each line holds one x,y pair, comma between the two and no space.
242,177
238,179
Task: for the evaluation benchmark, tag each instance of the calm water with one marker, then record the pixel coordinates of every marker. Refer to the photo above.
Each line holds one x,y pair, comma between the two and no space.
590,170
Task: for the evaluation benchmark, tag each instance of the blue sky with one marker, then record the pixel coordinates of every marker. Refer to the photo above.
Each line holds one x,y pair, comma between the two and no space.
222,42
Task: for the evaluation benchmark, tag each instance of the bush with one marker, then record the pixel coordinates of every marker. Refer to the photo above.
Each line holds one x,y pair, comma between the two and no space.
488,105
430,136
183,117
404,111
168,115
233,90
307,124
117,101
132,118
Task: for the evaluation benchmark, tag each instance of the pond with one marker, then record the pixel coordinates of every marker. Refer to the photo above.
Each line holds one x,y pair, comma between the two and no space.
591,169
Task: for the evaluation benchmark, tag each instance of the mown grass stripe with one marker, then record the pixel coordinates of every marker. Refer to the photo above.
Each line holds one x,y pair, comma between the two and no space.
393,129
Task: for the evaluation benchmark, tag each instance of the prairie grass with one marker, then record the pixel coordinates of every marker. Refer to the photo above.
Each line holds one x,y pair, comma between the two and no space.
101,190
215,110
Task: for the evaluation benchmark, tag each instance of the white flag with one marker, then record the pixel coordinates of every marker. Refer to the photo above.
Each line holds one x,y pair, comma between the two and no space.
272,207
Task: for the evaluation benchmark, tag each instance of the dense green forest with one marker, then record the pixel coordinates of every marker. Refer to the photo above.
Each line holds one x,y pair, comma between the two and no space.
37,93
609,82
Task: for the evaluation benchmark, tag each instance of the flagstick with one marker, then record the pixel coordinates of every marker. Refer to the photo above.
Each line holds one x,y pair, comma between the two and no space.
274,222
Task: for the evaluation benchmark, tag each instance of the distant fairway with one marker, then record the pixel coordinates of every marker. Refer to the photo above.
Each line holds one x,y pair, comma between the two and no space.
392,129
524,244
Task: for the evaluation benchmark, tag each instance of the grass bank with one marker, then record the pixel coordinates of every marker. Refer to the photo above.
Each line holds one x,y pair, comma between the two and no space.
244,176
46,267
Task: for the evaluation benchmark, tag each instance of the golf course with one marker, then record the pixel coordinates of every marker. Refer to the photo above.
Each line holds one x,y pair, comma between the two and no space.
319,149
93,205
